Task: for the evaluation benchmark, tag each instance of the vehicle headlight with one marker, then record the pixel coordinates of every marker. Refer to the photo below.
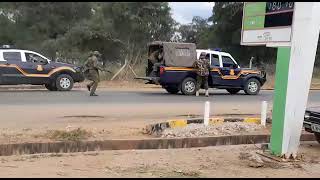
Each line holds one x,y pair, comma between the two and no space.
307,115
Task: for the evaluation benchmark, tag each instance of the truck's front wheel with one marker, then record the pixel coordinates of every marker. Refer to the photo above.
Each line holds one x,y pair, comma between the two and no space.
172,89
189,86
64,82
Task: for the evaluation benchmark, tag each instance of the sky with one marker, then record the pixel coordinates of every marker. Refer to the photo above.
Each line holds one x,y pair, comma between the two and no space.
183,12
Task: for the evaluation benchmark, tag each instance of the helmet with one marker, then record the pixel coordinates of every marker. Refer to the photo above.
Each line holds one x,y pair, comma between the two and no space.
96,53
203,55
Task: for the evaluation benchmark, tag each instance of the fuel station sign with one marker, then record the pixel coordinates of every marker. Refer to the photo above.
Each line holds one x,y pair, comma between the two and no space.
267,22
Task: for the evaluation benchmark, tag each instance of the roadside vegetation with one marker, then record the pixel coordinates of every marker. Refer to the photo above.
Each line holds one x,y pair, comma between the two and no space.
67,31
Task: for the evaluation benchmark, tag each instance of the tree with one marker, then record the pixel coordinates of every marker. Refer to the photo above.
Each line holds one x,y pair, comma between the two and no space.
195,32
73,29
225,32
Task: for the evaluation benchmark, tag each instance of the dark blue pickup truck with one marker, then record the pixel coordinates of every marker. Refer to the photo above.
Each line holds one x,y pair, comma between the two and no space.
176,73
27,67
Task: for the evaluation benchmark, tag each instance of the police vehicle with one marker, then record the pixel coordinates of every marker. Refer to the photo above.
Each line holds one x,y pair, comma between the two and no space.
311,121
177,74
19,66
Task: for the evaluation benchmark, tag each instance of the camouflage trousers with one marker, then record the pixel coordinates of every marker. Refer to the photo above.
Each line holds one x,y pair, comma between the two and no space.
93,76
93,86
202,80
155,69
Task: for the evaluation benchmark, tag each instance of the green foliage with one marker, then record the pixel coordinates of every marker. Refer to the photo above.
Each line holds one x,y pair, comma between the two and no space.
120,30
225,32
74,28
195,32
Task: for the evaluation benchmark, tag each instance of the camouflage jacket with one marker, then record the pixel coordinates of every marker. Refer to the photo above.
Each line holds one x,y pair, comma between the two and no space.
202,66
92,64
156,56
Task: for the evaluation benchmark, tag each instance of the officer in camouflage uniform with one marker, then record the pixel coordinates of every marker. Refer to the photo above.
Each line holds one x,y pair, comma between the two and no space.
156,57
91,71
203,70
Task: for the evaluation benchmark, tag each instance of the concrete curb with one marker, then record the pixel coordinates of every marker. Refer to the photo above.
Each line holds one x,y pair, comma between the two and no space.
154,143
156,129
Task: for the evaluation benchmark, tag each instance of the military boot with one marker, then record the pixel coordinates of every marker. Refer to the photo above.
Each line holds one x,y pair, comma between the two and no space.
207,93
197,93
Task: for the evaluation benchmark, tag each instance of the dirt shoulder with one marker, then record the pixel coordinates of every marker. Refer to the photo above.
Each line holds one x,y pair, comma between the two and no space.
218,161
94,127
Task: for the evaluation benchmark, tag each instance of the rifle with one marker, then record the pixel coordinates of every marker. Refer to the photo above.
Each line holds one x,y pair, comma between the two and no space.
106,70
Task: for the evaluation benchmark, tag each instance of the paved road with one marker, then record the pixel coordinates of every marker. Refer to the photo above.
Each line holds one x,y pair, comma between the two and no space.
44,97
41,108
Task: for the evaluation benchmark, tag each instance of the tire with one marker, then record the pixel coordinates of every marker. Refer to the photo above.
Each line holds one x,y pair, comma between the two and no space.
51,87
233,91
188,86
252,86
317,136
172,89
64,82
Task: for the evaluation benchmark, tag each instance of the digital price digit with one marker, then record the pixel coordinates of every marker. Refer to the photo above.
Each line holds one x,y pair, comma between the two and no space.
279,6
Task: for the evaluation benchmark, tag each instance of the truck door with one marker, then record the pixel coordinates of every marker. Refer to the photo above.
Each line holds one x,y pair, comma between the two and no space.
11,68
229,72
215,64
37,68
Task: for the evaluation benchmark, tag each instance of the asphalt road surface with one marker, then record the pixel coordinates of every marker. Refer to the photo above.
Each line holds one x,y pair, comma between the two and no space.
35,107
44,97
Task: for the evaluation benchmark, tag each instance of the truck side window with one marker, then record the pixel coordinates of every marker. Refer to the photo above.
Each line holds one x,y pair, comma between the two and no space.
215,60
12,56
227,62
33,58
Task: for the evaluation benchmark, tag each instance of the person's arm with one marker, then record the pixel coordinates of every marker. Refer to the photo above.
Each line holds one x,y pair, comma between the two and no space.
85,65
195,64
208,65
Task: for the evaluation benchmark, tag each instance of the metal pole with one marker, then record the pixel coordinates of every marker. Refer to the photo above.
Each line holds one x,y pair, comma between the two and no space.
264,107
206,113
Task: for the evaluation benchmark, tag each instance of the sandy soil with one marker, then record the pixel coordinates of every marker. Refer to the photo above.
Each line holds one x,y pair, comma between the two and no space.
219,161
101,128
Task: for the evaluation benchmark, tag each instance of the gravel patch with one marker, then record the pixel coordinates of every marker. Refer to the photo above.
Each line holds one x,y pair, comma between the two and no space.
196,130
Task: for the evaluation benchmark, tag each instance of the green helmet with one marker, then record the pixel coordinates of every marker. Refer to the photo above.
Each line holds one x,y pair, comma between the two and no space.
202,55
96,53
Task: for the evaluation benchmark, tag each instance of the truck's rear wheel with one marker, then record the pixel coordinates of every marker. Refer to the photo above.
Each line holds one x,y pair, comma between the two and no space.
189,86
317,135
233,91
172,89
64,82
252,86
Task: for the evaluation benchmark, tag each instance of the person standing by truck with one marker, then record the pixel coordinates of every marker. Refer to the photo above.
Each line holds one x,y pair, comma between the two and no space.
203,70
156,57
